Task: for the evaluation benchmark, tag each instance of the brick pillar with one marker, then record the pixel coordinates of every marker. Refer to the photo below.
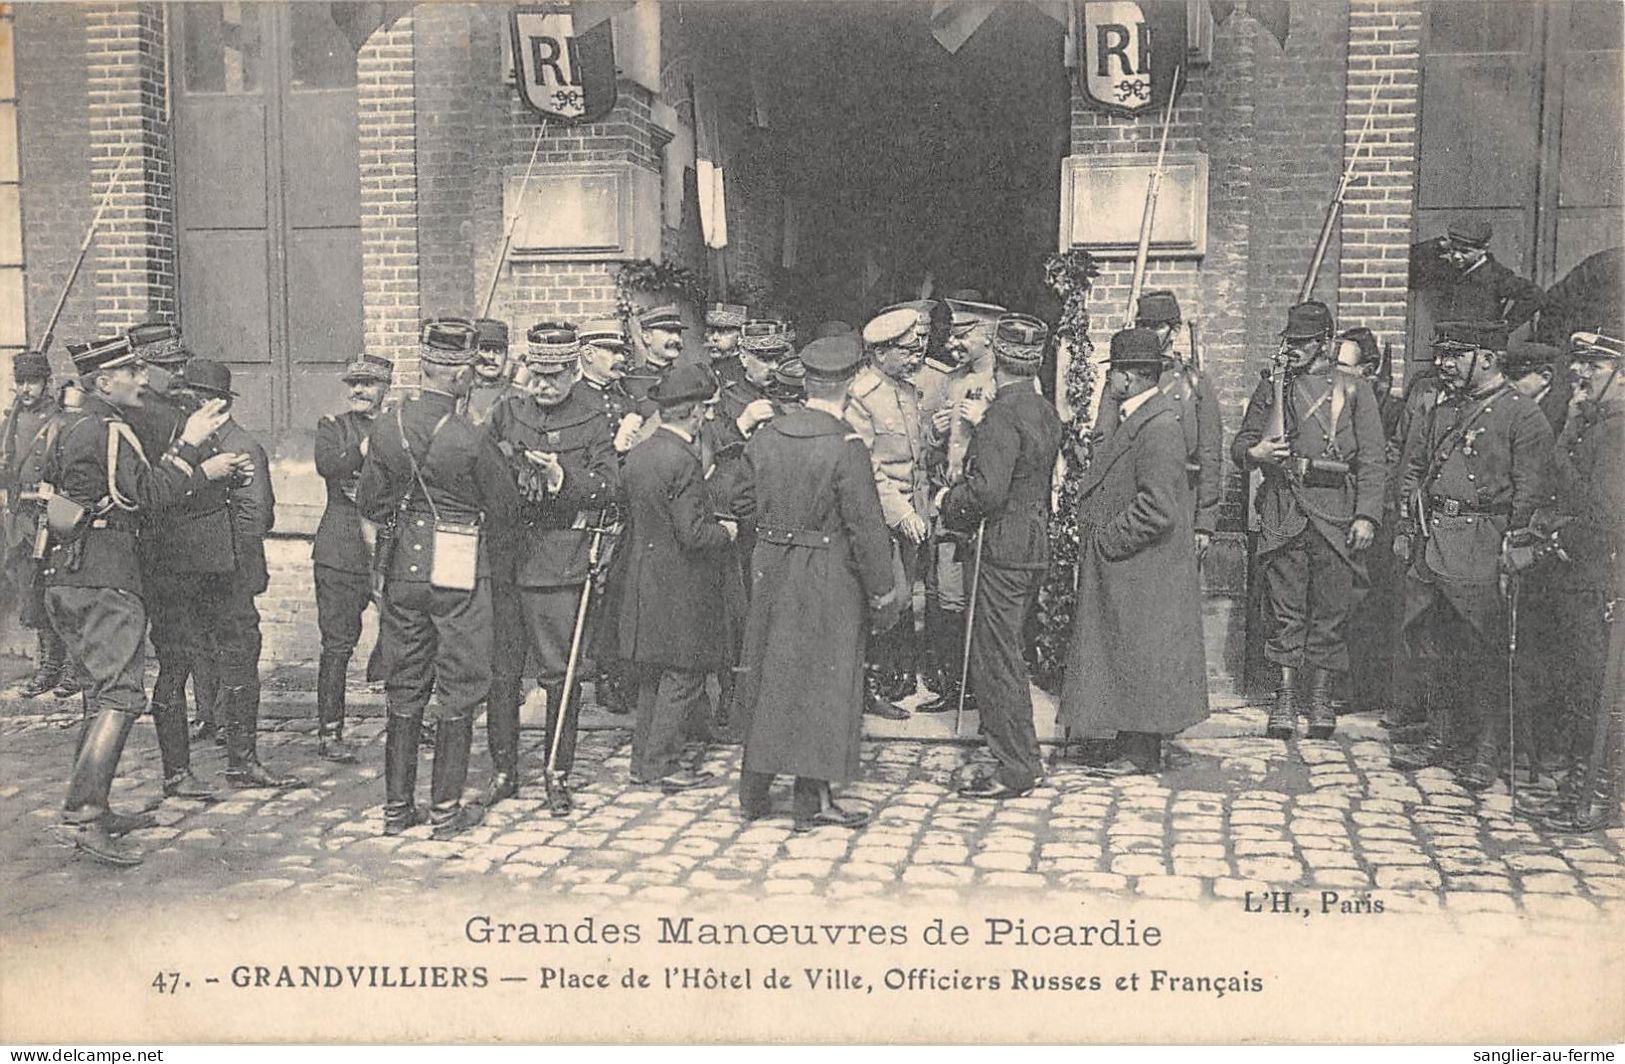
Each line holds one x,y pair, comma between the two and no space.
386,103
135,277
1385,38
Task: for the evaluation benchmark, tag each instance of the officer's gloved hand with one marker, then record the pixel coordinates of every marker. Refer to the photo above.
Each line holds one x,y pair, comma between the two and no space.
204,422
221,466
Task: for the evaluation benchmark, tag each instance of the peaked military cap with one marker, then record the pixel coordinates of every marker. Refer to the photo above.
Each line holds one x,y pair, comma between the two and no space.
552,344
764,339
1596,347
688,383
158,342
30,366
1018,342
726,315
832,358
1524,357
897,327
209,377
113,352
970,313
604,332
493,334
368,368
924,308
1470,335
1158,308
448,341
666,317
789,379
1307,321
1470,232
1135,347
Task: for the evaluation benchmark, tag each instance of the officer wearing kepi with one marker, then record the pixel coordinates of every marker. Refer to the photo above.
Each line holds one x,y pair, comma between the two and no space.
22,438
104,485
341,554
1322,455
437,487
559,446
493,377
1473,472
724,327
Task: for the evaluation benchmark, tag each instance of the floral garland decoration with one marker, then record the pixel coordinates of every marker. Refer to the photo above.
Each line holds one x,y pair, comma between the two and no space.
646,275
1070,275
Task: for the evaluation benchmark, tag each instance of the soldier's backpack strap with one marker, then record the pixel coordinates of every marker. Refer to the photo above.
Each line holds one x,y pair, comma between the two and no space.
411,459
1457,435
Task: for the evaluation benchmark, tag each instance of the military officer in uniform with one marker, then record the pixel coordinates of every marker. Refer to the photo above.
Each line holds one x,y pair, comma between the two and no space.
341,555
884,407
724,325
1323,458
661,330
788,388
439,487
493,377
1474,471
1574,550
92,574
1472,284
1005,490
22,436
559,445
672,594
823,574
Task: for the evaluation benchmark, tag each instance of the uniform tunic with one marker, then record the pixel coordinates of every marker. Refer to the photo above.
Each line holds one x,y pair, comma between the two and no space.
342,559
23,436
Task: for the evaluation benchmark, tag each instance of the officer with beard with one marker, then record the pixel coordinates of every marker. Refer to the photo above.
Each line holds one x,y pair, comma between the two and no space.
340,554
724,325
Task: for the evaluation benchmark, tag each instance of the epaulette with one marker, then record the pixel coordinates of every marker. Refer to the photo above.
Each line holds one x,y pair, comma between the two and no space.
865,382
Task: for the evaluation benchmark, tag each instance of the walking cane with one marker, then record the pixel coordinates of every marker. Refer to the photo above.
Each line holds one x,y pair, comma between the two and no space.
970,626
573,664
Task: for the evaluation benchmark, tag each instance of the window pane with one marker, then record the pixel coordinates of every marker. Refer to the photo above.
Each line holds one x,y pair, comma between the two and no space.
11,233
1596,25
221,47
8,73
8,142
1479,27
322,56
11,307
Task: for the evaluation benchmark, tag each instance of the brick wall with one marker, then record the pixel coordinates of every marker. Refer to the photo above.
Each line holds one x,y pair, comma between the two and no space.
1385,38
386,104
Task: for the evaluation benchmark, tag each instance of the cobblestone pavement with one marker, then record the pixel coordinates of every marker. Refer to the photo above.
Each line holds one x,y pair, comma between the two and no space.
1235,812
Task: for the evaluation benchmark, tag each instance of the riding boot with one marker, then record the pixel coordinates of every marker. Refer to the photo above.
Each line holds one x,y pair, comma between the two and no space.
1283,719
502,738
240,706
175,752
85,811
51,663
330,744
453,737
401,773
1322,714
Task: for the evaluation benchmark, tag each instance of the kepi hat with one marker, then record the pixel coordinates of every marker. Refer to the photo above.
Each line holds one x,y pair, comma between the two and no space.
1018,343
448,342
726,315
552,345
1470,335
368,368
113,352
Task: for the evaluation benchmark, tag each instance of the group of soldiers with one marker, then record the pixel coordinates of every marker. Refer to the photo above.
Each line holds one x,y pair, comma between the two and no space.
756,523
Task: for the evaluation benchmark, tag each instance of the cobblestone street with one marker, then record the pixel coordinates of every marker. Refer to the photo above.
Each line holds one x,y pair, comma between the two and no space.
1234,813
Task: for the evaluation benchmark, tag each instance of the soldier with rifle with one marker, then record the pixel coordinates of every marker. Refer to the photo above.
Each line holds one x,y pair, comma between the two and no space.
1316,435
1475,470
22,437
493,376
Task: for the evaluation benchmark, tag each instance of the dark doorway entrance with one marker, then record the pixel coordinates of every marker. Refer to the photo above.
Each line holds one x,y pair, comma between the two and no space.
268,202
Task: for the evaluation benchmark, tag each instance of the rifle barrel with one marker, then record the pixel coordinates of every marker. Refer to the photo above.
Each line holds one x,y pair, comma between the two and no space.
1152,191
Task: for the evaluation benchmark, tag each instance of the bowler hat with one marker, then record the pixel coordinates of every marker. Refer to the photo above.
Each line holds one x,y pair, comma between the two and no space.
666,317
1470,335
832,358
688,383
1018,343
447,342
30,366
1470,232
113,352
1158,308
1135,347
1309,320
209,377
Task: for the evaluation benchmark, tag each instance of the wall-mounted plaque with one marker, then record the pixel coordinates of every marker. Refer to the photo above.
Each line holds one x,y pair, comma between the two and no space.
1103,198
585,211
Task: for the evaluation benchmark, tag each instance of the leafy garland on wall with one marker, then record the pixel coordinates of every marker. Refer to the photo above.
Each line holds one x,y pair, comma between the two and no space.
646,275
1069,275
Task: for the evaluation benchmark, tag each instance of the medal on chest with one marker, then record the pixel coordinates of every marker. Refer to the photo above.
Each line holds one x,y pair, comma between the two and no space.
1468,441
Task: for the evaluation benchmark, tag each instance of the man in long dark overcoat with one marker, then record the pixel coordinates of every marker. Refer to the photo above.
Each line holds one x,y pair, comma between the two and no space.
822,562
1135,671
672,594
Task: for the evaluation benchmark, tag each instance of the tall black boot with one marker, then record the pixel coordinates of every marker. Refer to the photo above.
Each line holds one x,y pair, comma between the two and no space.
85,812
50,663
330,744
1283,720
453,738
175,752
502,737
240,705
401,772
1322,714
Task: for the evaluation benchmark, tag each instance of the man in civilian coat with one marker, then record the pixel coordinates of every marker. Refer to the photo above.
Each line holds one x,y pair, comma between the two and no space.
822,563
1008,470
672,593
1135,670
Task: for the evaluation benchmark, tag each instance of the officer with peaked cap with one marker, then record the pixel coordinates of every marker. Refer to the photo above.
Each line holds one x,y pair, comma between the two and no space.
788,388
1009,467
493,375
1468,281
92,573
1537,370
676,555
221,534
1134,670
22,448
823,565
439,490
340,555
661,330
884,407
1474,471
559,445
724,324
1572,549
1319,507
